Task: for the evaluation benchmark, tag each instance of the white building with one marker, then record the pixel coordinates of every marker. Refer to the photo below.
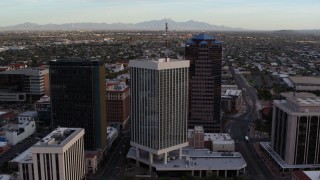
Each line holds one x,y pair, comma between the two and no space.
112,134
221,142
159,96
15,133
27,116
58,156
115,67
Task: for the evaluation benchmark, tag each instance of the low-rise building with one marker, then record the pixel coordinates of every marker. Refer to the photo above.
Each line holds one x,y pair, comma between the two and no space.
196,137
231,101
221,142
115,67
14,133
4,147
92,162
305,83
217,142
198,162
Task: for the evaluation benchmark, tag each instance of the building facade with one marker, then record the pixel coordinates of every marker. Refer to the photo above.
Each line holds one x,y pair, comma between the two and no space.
205,55
159,96
58,156
117,104
26,84
43,107
78,98
296,130
231,101
26,126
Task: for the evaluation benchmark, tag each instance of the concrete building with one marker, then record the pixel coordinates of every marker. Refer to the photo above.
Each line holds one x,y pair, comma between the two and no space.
197,162
295,133
221,142
27,116
26,84
14,133
305,83
6,116
43,108
117,104
78,98
59,155
216,142
231,101
196,137
295,130
91,161
114,67
159,96
205,55
225,87
305,175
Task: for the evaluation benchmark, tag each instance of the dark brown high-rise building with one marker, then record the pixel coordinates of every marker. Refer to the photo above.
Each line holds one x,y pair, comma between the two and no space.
205,55
78,98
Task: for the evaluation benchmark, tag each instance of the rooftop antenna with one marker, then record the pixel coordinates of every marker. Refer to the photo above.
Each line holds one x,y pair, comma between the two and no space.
166,53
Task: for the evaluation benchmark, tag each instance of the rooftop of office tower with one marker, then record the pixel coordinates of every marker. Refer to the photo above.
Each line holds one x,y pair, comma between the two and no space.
202,36
75,62
202,39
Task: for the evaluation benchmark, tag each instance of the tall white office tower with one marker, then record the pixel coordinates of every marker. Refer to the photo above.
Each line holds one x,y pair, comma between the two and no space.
159,107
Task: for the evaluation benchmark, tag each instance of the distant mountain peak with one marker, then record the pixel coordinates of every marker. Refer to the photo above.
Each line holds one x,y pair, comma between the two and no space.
146,25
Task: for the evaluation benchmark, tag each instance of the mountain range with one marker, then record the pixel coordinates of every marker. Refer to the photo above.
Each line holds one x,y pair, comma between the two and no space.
147,25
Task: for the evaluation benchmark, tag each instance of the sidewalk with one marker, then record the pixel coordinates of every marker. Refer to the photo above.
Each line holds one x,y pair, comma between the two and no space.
270,164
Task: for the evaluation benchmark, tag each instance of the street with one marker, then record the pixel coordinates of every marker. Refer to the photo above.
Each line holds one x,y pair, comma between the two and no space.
239,128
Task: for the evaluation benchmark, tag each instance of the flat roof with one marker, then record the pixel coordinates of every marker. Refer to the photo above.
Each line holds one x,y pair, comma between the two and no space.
116,85
27,71
297,94
306,101
305,80
218,138
5,177
314,175
44,99
196,159
24,157
231,92
28,113
59,137
159,64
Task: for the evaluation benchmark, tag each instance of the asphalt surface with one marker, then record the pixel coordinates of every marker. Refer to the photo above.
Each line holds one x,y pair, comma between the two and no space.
115,165
239,128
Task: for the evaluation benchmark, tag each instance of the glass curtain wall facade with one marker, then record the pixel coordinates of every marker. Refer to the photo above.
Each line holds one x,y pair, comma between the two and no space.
78,98
205,55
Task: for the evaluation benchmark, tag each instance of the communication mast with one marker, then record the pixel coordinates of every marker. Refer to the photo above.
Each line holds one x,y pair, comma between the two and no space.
166,37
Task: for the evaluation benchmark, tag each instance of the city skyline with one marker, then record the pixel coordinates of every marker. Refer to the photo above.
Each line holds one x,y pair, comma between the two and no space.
252,15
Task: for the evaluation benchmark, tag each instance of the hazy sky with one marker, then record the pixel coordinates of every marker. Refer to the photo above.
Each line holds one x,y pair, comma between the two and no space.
249,14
